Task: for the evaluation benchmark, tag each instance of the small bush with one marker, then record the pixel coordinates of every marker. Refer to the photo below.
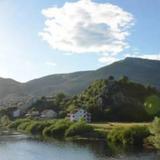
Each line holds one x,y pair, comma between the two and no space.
48,130
129,136
23,126
58,129
155,131
79,129
115,135
36,128
16,123
5,121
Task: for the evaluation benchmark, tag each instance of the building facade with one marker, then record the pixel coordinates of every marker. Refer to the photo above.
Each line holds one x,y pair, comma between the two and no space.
48,114
16,113
79,114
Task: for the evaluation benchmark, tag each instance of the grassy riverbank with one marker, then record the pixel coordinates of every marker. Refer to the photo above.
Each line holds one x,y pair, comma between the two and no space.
116,133
108,126
124,133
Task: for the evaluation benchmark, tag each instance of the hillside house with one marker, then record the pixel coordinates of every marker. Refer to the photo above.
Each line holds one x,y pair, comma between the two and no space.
32,114
16,113
48,114
79,114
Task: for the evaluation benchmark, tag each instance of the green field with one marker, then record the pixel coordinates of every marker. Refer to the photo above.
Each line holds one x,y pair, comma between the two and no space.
111,125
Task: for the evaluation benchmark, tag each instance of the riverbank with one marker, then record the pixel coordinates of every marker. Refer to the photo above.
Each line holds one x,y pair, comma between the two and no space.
132,134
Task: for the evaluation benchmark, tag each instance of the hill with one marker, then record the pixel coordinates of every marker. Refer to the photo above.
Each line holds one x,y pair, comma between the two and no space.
112,100
139,70
107,100
10,87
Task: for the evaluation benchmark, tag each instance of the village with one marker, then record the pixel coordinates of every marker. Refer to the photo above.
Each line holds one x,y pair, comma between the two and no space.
51,114
23,110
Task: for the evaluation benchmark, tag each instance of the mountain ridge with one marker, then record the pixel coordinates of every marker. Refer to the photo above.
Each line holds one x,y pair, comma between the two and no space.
143,71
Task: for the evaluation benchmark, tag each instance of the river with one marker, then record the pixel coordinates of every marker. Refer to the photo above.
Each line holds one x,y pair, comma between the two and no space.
21,147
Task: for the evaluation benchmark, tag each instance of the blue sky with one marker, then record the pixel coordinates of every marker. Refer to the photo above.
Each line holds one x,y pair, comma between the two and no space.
24,55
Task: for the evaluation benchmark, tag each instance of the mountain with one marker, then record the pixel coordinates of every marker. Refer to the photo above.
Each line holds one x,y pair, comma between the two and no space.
139,70
9,87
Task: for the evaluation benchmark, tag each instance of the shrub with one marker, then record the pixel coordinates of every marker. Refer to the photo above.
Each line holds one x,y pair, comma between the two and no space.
58,129
48,130
135,135
79,129
30,126
23,126
129,136
155,127
5,121
16,123
115,135
155,131
36,128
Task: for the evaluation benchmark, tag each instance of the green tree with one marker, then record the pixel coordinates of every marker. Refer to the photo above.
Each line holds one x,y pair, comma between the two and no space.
155,131
111,78
152,105
124,79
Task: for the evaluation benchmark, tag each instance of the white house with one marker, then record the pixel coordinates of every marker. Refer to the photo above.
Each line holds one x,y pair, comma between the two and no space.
16,113
48,114
32,114
79,114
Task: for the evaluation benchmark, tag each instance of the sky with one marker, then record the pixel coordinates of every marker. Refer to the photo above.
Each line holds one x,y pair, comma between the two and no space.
39,38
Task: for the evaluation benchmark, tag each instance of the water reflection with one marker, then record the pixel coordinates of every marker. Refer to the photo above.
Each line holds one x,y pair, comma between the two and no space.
20,147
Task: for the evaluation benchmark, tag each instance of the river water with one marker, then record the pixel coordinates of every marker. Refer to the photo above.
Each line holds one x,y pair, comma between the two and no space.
20,147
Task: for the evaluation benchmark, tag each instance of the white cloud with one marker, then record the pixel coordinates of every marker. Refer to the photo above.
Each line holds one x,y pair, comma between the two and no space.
51,63
85,26
145,56
107,59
